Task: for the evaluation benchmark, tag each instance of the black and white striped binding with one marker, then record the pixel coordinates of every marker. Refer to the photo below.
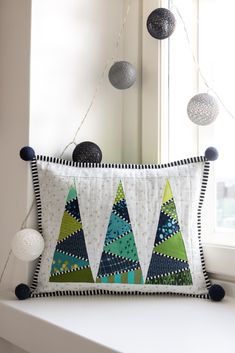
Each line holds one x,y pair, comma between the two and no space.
119,166
109,292
36,187
205,177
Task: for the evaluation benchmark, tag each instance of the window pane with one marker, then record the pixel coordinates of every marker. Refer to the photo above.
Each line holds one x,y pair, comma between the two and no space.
225,173
210,27
217,58
182,82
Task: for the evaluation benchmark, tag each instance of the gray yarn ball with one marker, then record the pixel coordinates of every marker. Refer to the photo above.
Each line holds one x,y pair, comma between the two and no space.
211,154
161,23
122,75
203,109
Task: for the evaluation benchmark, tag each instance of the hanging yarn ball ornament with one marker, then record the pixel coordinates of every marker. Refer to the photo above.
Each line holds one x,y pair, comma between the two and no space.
211,154
161,23
122,75
87,152
216,292
27,153
22,291
203,109
27,244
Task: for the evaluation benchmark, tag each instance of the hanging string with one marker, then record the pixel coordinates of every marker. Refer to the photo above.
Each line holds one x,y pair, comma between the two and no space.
195,60
102,76
66,147
23,225
73,142
100,81
5,266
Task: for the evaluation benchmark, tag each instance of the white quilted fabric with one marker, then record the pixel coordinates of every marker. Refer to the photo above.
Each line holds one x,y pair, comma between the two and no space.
143,189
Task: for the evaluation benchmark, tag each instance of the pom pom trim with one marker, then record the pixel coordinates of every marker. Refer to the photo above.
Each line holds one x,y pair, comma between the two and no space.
22,291
27,153
216,292
211,154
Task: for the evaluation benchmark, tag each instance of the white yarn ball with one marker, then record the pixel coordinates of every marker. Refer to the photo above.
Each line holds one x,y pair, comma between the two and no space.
203,109
27,244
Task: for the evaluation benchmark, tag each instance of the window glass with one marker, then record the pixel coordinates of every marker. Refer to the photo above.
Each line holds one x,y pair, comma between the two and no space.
217,58
209,35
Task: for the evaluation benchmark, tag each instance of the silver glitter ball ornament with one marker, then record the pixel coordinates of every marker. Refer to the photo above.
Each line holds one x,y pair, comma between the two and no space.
161,23
87,152
203,109
122,75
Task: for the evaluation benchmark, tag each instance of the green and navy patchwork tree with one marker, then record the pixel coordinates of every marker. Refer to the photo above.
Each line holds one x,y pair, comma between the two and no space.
169,262
70,261
119,261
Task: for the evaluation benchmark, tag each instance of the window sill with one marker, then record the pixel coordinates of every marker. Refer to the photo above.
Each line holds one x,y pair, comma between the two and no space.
220,260
226,238
118,324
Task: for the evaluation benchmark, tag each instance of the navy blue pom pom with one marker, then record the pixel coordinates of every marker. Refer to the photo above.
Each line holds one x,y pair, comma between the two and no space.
27,153
87,152
22,291
211,154
216,292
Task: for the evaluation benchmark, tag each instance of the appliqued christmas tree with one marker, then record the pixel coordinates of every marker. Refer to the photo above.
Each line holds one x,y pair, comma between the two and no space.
70,261
119,261
169,262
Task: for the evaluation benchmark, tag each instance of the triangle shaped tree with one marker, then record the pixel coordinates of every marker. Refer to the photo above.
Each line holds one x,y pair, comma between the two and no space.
119,261
169,262
70,261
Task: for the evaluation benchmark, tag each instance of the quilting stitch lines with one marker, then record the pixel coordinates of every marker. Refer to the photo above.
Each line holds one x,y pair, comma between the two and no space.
119,261
169,262
70,261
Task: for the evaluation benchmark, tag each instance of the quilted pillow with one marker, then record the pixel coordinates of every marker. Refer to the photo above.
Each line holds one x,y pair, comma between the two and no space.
120,229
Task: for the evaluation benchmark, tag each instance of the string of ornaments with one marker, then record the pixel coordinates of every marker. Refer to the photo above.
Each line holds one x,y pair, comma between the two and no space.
202,109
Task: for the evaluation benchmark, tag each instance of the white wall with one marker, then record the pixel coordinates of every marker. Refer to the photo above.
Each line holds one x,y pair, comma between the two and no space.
14,125
71,42
14,133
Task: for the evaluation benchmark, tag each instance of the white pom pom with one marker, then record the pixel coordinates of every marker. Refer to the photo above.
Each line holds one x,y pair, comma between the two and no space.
27,244
203,109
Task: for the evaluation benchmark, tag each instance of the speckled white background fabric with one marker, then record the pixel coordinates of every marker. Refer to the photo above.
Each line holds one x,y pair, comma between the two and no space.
96,188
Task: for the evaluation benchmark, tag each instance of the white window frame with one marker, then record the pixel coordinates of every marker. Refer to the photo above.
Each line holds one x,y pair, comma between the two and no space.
219,248
154,86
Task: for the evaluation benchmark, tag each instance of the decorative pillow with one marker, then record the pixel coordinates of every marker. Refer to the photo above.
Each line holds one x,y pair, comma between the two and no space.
120,229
